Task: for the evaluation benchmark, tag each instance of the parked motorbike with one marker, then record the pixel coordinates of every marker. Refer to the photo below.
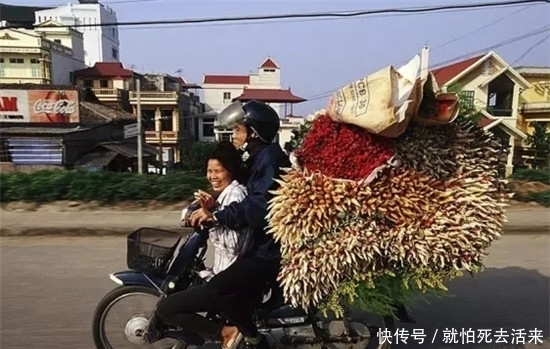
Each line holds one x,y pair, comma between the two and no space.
161,262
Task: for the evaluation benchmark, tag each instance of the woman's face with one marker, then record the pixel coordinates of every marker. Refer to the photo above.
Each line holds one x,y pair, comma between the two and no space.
217,175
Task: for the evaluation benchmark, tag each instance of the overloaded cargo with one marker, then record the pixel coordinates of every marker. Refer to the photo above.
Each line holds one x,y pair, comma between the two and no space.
391,194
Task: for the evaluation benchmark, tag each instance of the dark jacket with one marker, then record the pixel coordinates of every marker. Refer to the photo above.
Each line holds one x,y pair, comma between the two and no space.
263,167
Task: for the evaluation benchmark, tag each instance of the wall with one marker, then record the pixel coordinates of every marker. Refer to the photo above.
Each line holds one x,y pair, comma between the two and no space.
540,92
266,78
20,44
213,95
63,63
28,150
30,45
98,41
271,79
21,72
68,37
122,84
109,35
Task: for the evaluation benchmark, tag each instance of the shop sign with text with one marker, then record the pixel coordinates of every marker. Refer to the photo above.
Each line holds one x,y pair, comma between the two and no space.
39,106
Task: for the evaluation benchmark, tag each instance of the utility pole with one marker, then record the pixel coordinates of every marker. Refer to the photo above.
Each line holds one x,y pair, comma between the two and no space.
140,128
160,145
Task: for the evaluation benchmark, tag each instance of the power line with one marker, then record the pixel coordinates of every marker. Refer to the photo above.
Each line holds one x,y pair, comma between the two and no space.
532,48
307,20
475,31
500,44
467,55
307,15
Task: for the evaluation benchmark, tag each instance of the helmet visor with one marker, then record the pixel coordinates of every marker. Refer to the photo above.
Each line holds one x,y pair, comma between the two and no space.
230,115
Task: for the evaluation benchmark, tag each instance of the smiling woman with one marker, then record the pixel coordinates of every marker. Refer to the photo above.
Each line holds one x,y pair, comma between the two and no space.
223,166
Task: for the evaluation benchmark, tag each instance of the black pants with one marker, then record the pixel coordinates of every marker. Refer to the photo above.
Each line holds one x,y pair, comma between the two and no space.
234,293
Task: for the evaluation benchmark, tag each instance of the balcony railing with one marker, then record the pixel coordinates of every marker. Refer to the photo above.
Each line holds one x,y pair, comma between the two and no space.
499,111
167,136
536,107
107,93
155,97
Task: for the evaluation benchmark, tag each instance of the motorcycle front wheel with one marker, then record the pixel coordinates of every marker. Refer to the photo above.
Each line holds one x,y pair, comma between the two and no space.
122,316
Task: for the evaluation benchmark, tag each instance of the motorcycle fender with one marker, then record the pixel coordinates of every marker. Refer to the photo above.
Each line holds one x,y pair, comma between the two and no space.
134,278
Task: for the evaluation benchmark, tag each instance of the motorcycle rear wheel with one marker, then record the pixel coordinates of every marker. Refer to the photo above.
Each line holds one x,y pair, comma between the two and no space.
137,321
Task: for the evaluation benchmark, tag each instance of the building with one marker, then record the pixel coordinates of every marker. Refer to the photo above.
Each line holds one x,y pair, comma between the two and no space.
263,85
50,127
110,81
47,55
167,104
168,108
101,43
534,101
493,87
534,108
220,90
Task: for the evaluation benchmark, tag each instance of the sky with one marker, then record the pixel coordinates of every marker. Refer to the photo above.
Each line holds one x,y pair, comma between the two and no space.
318,56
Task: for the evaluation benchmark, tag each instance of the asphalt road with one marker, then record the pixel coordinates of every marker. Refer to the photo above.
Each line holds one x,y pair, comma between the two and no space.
51,285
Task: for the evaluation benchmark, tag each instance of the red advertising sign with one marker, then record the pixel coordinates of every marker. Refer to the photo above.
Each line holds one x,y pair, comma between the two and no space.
39,106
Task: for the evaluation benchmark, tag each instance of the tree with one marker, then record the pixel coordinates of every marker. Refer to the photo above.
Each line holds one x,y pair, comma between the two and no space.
466,103
539,140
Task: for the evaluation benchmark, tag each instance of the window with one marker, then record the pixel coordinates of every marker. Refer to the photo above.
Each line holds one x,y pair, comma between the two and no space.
35,68
104,83
468,98
224,134
225,137
17,60
269,70
2,67
57,41
88,83
114,53
226,97
208,127
114,32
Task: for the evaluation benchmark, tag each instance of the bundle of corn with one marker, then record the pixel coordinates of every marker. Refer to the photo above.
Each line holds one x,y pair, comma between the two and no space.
413,225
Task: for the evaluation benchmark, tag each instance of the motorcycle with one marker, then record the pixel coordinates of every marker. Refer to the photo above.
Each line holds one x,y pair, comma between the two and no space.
161,262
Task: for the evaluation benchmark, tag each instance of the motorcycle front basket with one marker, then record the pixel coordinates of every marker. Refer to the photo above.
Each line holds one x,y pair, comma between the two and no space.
149,250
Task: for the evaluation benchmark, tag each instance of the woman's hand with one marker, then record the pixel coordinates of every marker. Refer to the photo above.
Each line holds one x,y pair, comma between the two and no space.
206,200
200,216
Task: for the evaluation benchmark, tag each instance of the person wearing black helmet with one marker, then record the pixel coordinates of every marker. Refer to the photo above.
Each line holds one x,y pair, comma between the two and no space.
236,291
255,128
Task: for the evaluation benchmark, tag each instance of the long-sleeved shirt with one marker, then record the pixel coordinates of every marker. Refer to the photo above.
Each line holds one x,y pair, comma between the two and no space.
226,241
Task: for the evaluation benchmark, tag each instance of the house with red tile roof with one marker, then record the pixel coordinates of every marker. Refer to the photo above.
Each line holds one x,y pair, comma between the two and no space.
492,86
264,85
110,82
167,106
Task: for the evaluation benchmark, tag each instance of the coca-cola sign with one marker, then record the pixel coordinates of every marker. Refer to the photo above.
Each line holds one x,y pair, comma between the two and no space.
62,106
39,106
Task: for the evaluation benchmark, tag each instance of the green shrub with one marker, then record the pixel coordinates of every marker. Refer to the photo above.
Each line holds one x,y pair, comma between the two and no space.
542,197
194,158
531,175
106,187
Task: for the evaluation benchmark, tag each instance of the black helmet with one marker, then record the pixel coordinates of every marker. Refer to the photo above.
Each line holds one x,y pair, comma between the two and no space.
258,116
